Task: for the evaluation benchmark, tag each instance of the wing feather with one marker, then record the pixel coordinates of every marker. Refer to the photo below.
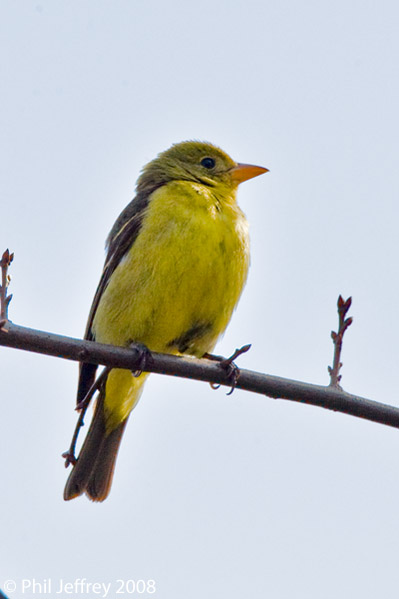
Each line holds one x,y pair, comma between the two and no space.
121,238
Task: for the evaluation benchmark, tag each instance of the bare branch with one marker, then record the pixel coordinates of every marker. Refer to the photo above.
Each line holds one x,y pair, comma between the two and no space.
327,397
331,397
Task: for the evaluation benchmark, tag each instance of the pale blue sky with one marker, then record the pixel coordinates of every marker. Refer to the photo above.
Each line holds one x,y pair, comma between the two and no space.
213,496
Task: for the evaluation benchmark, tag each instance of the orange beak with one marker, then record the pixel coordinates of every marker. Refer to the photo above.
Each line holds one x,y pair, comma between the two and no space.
243,172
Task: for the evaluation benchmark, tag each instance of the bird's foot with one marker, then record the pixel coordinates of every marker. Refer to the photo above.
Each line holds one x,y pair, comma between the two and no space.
231,369
143,360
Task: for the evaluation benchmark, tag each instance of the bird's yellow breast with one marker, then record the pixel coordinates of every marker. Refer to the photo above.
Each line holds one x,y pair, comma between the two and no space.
177,286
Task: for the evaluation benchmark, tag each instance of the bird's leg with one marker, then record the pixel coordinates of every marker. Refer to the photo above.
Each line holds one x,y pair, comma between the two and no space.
81,407
144,358
228,365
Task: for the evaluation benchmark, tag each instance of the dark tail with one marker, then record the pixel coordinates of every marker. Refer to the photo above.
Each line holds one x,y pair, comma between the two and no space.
94,470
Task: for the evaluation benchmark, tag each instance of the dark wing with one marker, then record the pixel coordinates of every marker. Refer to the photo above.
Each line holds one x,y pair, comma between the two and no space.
121,238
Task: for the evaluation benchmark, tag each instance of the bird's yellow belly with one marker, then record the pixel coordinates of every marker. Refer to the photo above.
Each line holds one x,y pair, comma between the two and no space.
175,290
177,287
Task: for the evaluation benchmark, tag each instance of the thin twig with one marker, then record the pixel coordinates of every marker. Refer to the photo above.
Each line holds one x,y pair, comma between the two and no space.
82,406
343,324
5,299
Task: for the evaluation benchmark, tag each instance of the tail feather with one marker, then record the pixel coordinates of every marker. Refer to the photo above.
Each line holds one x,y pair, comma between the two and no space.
94,469
99,484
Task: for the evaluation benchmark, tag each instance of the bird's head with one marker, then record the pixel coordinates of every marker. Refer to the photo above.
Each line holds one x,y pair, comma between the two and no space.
195,161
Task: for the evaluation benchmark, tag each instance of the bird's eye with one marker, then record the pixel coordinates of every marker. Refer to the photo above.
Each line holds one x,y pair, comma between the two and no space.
208,162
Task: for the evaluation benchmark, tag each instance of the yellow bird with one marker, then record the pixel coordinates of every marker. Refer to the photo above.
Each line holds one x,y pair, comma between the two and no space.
177,261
